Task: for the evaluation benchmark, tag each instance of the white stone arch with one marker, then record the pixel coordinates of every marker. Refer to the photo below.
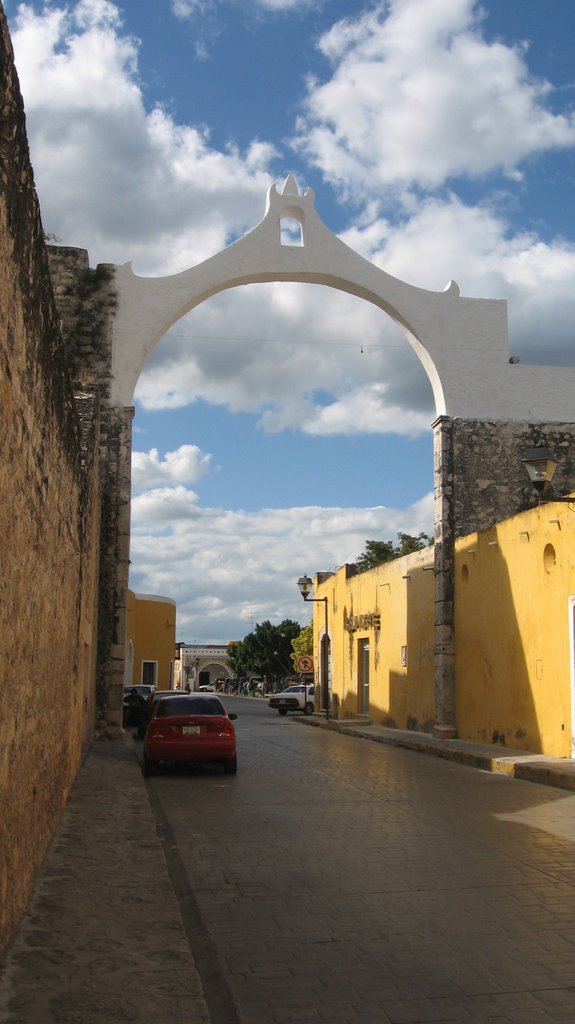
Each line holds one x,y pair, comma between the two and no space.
461,342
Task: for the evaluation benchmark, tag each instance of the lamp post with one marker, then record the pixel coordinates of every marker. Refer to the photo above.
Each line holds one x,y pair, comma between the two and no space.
541,464
305,584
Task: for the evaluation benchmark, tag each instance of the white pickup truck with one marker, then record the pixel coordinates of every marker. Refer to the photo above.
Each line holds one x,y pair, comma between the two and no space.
295,698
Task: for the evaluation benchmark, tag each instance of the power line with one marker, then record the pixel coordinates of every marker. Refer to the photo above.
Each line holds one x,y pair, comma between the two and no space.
283,341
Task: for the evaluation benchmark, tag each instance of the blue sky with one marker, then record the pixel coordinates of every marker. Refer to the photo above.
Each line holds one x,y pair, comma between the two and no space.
279,427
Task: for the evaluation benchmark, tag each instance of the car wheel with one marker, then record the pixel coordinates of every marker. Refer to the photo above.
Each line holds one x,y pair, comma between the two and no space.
149,767
231,765
308,710
282,711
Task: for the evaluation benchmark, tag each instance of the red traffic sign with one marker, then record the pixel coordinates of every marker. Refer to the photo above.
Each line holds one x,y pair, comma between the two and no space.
304,663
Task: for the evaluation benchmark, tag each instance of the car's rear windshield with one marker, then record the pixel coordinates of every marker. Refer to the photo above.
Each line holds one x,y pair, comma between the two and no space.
190,706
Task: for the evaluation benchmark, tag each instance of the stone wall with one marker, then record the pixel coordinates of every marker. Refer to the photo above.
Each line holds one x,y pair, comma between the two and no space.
86,301
49,532
491,484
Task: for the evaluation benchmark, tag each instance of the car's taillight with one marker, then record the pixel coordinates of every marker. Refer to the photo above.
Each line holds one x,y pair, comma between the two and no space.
227,729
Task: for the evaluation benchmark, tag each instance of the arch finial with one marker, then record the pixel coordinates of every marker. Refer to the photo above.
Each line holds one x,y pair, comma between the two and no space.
452,288
290,186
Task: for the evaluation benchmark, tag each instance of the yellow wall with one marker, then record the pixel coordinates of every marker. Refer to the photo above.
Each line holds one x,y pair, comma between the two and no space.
513,657
512,589
151,628
401,671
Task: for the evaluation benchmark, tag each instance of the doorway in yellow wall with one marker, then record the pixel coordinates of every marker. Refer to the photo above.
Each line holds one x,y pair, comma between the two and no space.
363,673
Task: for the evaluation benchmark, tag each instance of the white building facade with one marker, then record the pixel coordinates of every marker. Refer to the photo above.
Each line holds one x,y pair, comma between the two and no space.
201,665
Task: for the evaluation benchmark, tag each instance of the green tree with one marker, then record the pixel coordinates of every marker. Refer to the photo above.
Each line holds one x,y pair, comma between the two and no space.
266,651
379,551
407,543
302,644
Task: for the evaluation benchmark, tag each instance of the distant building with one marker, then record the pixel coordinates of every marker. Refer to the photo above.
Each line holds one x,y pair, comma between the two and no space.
150,640
201,665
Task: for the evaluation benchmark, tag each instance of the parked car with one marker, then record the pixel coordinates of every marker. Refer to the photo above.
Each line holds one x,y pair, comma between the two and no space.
145,689
147,709
190,727
134,699
207,688
295,698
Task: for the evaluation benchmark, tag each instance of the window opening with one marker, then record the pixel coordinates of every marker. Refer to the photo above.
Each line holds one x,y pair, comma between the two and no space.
291,232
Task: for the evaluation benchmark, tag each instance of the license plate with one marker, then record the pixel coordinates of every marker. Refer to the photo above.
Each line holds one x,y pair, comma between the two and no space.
191,730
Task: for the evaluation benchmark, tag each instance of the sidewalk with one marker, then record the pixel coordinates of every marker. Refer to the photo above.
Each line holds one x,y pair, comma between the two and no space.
102,941
520,764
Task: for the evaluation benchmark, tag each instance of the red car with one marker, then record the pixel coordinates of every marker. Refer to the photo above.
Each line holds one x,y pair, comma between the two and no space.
190,727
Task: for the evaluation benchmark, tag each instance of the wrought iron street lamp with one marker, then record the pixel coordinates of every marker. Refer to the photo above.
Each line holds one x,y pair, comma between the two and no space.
305,585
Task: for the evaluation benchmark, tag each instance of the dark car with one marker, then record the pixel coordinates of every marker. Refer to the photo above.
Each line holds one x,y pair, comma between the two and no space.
135,697
190,728
148,708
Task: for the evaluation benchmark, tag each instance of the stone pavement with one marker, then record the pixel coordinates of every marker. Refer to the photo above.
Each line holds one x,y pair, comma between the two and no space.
103,940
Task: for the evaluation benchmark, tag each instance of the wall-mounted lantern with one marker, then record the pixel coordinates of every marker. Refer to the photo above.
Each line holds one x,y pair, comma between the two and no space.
541,464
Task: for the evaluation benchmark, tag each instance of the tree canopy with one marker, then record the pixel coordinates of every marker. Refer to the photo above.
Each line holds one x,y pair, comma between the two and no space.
267,651
379,551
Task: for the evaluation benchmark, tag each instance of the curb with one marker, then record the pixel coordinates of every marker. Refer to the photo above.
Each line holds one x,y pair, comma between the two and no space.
518,764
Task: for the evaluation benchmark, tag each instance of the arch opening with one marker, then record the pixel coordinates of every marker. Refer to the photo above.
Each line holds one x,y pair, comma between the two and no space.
305,435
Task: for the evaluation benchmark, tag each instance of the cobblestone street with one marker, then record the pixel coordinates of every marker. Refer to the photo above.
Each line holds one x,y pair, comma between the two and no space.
344,881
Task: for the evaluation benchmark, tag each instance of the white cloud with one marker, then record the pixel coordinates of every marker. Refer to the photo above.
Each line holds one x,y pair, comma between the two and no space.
113,177
163,508
226,568
418,96
184,466
366,410
186,9
189,8
283,5
304,357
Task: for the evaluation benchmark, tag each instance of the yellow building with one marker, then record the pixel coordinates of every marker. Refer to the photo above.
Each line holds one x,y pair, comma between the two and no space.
514,597
381,628
150,640
514,636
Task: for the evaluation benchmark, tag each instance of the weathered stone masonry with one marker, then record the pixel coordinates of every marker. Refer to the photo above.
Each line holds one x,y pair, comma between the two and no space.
49,531
86,301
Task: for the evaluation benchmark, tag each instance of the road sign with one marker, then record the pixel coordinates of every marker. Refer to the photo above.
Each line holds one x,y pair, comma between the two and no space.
304,663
